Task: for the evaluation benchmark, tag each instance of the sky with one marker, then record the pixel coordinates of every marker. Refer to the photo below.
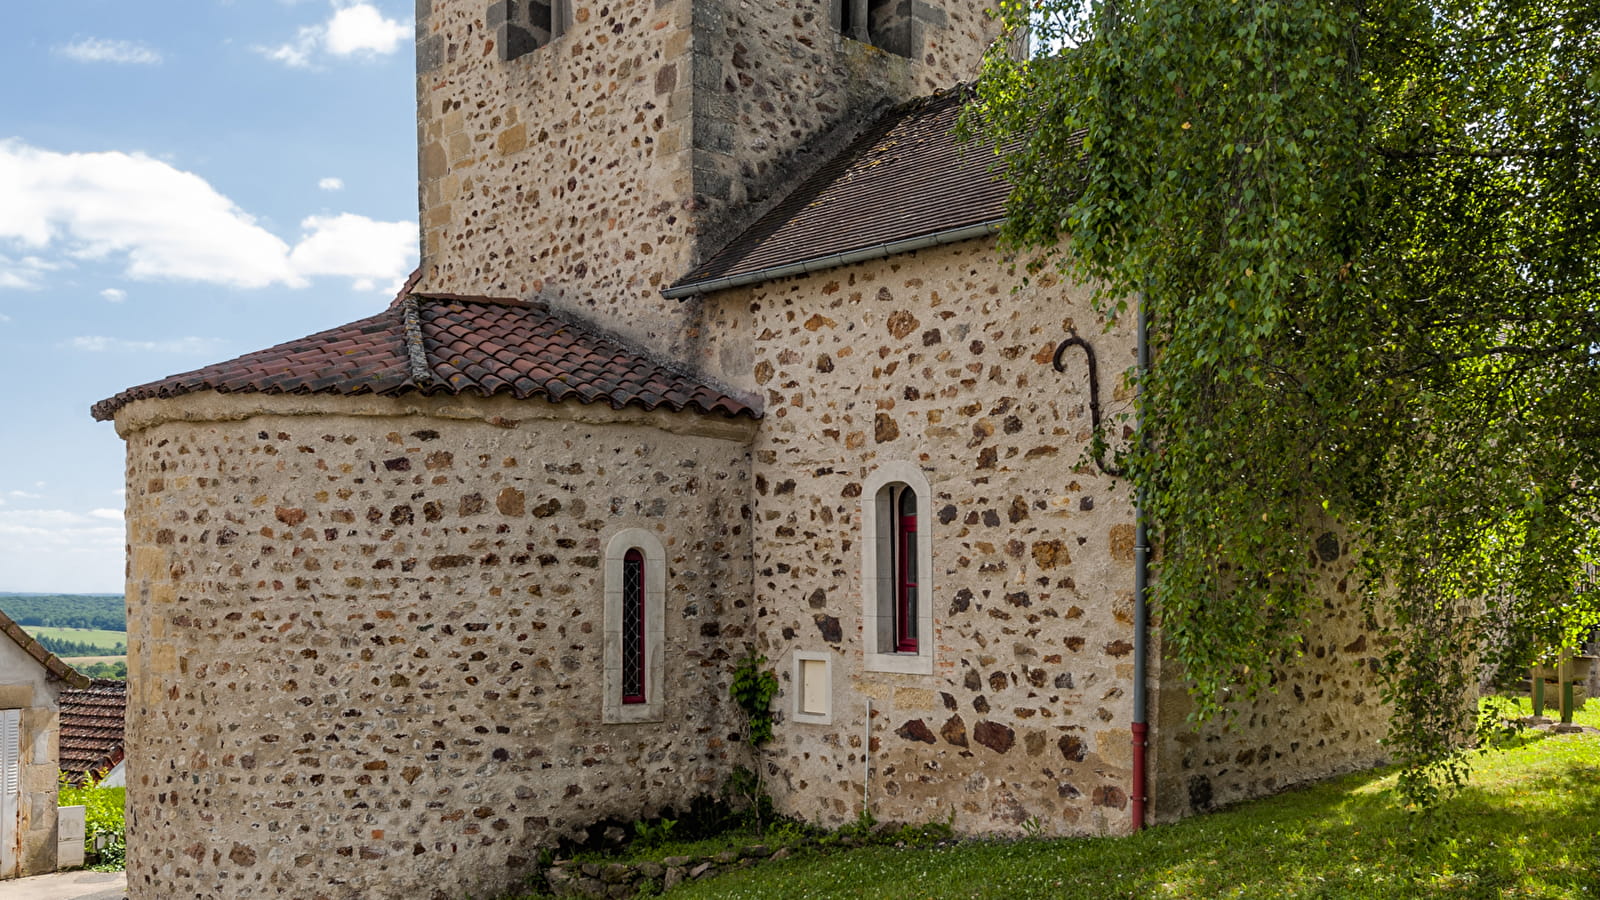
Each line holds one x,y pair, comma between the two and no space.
180,183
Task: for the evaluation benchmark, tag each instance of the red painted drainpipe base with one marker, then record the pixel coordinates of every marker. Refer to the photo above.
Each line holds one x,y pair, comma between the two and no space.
1140,729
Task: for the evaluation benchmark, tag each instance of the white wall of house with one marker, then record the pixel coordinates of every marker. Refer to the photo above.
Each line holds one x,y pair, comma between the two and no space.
28,769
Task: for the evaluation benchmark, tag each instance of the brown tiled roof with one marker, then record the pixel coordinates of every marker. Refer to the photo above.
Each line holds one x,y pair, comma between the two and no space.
446,344
907,176
91,726
33,648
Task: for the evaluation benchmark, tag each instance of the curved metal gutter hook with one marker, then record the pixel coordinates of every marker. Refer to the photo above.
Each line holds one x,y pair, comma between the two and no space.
1099,446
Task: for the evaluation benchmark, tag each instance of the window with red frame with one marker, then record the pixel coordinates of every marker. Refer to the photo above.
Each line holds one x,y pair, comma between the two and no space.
904,505
633,575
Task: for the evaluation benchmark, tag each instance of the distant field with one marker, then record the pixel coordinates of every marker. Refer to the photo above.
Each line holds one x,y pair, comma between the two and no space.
91,660
106,640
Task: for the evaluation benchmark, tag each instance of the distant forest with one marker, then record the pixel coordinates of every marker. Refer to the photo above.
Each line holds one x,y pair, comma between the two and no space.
103,611
62,647
117,671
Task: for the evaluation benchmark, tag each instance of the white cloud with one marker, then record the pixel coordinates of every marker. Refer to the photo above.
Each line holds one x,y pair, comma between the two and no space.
353,29
114,295
355,247
4,318
23,273
361,28
59,550
111,51
171,224
188,345
297,54
115,515
331,184
24,495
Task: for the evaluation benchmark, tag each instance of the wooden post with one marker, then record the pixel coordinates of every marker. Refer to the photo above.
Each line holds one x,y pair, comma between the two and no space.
1564,679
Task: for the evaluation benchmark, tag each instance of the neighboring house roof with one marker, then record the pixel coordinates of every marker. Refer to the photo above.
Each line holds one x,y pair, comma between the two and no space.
906,182
33,648
448,344
92,720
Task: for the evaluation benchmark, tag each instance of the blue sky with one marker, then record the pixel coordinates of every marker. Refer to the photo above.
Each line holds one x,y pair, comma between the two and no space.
179,183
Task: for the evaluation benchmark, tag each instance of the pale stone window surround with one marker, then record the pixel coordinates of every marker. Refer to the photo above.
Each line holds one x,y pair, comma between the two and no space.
885,24
653,709
877,582
820,704
523,26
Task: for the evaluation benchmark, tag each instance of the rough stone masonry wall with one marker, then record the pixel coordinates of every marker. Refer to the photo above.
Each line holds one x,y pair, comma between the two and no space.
1323,715
41,770
932,359
775,80
595,170
564,173
365,637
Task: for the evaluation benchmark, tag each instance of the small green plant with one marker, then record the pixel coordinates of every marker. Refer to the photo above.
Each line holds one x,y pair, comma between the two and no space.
926,835
862,827
753,688
1033,828
653,834
788,832
103,822
744,788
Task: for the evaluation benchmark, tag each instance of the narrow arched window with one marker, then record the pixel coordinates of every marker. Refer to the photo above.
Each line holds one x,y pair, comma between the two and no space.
897,570
904,504
634,648
633,616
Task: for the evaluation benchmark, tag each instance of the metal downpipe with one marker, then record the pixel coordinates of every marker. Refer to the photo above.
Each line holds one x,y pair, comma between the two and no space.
1141,588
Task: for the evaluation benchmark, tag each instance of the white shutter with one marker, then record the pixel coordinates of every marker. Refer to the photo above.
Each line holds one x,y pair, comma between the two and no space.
10,789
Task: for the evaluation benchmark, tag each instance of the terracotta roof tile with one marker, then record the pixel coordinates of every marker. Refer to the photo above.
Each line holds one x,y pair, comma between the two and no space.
905,177
446,344
92,720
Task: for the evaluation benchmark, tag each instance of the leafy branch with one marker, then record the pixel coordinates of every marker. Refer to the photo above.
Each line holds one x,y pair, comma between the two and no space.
1365,239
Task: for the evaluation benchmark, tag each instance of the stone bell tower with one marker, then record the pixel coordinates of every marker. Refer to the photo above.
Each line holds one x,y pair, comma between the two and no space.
590,152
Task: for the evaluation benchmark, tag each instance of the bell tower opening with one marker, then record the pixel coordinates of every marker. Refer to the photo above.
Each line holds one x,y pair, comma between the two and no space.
885,24
523,26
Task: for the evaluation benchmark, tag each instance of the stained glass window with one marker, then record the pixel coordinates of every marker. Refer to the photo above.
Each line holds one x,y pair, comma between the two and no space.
905,593
633,627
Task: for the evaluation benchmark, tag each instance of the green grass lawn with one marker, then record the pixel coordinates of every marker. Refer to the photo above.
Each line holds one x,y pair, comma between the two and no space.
1528,825
107,640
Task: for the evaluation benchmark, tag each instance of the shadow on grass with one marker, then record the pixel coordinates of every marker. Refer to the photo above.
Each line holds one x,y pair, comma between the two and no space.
1529,830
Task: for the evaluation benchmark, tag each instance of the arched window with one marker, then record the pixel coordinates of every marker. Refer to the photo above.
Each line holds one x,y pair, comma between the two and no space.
635,633
633,649
903,506
897,563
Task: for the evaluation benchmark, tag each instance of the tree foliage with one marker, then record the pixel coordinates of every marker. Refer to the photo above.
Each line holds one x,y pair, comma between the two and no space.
117,671
99,611
68,647
1367,238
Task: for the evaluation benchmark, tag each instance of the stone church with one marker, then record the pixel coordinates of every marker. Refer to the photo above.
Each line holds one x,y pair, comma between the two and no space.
711,349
